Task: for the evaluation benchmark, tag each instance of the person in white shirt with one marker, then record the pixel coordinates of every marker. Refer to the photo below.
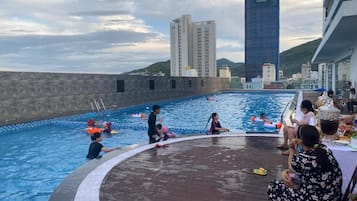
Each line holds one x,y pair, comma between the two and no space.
307,119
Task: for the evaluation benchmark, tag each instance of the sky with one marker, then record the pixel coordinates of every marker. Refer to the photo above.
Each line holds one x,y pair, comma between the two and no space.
115,36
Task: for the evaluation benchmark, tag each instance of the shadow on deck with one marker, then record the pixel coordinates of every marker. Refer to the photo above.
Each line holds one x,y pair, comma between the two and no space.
206,169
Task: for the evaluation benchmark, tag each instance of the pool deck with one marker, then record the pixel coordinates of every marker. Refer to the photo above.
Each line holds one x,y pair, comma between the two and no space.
204,169
201,167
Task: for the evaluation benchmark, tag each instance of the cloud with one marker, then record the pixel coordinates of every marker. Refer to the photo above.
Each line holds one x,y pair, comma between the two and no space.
118,36
100,13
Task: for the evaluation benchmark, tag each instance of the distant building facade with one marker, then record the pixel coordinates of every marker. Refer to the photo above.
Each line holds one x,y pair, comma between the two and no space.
255,84
281,74
193,47
269,73
204,48
261,36
236,82
190,72
225,72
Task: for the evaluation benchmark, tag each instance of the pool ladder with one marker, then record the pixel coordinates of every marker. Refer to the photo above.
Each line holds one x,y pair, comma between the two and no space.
97,104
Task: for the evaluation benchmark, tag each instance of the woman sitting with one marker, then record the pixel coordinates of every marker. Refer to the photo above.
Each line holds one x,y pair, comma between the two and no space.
216,127
313,174
307,119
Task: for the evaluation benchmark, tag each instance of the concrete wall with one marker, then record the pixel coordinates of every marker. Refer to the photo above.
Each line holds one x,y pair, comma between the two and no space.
35,96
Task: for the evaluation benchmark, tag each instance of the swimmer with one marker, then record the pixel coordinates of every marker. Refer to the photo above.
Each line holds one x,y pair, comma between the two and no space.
96,147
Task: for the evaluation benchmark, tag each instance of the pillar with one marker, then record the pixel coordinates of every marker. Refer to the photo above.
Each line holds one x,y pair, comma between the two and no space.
354,68
333,87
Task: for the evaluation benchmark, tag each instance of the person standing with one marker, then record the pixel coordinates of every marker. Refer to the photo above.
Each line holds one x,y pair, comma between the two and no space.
152,131
352,100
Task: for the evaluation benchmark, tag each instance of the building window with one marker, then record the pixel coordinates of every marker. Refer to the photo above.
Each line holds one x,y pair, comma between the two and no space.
190,84
202,83
173,84
151,84
120,86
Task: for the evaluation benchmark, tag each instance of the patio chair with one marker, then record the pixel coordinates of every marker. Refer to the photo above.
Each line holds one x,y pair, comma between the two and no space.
351,186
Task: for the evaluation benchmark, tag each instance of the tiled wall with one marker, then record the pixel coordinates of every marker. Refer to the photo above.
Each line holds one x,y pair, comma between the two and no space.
35,96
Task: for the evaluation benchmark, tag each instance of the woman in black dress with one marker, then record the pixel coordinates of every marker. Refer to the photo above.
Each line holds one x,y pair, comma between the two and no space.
313,174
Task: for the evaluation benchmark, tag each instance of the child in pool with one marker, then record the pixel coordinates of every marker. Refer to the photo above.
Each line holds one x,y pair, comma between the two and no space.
107,127
164,132
96,147
216,127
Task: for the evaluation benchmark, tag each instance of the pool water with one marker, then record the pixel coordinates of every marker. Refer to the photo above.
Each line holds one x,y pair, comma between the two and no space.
35,161
234,109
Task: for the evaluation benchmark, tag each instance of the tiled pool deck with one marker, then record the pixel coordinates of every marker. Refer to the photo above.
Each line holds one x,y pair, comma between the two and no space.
206,169
192,168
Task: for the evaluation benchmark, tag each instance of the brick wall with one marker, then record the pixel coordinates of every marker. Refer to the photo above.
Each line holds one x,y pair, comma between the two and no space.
34,96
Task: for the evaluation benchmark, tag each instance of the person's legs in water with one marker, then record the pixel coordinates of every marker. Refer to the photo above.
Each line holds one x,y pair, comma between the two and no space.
151,139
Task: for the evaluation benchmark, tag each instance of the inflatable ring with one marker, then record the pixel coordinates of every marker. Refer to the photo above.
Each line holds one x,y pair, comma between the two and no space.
92,130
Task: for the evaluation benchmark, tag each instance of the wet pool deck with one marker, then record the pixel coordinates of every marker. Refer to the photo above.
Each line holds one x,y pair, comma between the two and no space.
201,169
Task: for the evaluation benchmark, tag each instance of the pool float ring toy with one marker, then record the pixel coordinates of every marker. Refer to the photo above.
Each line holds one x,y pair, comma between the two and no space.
138,115
273,125
92,130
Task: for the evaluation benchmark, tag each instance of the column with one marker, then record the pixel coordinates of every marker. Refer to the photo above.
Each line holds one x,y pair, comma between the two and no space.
334,77
326,75
353,68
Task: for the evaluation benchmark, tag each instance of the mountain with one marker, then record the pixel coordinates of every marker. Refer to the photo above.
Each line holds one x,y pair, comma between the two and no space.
164,66
237,69
291,59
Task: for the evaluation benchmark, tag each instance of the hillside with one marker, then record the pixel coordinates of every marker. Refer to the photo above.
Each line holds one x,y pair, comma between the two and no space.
164,66
291,59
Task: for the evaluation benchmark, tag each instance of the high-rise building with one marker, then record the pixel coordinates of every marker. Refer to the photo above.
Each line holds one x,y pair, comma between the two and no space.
193,47
261,36
204,48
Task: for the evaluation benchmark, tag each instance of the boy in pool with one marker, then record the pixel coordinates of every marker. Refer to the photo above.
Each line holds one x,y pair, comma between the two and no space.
264,118
96,147
152,131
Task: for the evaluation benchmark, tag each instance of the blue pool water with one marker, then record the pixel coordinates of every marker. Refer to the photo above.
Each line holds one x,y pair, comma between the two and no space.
34,161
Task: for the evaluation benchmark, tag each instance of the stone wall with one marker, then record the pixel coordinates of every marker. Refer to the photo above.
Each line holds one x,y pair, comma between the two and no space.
34,96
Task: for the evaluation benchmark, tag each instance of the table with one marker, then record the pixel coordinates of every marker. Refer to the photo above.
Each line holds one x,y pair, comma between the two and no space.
347,159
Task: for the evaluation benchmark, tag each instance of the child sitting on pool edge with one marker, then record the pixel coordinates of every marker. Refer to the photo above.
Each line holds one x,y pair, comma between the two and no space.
95,147
164,132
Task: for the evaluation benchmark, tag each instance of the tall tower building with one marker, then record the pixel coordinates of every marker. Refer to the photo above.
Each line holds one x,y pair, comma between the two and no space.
193,48
204,48
261,36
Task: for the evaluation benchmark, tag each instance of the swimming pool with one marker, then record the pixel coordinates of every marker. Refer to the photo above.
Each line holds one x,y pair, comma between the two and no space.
35,160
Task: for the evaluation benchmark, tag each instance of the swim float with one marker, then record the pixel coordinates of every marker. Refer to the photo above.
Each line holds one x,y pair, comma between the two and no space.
92,130
138,115
266,124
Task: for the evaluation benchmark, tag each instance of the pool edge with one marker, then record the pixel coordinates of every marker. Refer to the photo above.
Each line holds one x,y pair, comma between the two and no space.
76,185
